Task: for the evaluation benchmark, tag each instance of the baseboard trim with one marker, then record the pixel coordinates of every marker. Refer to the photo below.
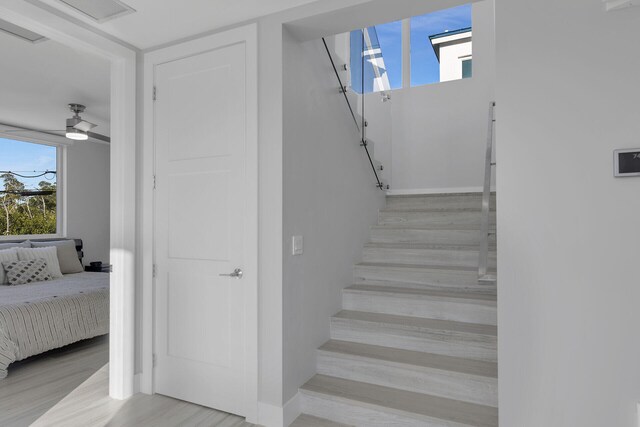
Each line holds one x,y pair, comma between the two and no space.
292,410
274,416
417,191
136,383
270,415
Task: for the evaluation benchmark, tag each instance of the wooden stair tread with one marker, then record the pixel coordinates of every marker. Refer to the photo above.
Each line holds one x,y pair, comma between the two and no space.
431,293
413,358
427,246
435,227
451,268
418,322
489,289
305,420
475,194
442,227
402,401
428,210
416,341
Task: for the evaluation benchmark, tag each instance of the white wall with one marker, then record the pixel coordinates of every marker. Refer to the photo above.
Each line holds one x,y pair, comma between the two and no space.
568,92
87,193
271,157
270,87
438,131
330,198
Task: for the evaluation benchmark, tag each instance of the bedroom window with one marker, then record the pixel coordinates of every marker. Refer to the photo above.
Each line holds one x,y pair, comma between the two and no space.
29,192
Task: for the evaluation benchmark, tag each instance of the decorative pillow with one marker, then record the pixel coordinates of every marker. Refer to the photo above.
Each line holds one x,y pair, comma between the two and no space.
67,255
21,272
6,255
25,244
50,255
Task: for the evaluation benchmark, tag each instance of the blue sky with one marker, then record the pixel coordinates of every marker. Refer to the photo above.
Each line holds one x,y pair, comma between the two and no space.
25,158
424,64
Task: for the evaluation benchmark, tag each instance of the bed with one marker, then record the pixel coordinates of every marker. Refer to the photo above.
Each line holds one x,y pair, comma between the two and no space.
42,316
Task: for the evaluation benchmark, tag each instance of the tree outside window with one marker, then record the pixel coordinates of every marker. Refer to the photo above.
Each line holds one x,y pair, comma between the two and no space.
28,189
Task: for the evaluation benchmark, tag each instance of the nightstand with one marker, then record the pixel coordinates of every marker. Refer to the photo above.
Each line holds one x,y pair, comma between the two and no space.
104,268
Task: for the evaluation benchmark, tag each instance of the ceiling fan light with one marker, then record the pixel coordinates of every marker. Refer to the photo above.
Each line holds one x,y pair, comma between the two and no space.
76,135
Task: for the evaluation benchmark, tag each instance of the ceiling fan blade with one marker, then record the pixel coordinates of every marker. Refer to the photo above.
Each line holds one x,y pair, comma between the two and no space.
32,130
13,129
99,137
84,126
56,132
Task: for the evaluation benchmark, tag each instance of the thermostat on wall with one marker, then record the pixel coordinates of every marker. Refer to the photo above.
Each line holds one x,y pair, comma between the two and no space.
626,162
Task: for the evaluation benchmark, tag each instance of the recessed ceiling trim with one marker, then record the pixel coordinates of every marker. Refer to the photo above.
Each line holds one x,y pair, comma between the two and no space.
620,4
21,33
100,11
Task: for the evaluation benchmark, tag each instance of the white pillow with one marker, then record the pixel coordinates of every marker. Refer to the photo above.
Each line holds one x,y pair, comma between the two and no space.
6,255
49,254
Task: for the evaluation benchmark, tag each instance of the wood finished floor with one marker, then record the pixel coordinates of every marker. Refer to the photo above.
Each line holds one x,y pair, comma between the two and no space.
36,384
69,388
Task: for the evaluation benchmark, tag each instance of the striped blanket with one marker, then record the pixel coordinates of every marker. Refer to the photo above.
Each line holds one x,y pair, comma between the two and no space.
39,317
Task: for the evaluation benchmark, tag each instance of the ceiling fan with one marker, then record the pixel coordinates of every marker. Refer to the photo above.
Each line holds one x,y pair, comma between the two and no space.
77,128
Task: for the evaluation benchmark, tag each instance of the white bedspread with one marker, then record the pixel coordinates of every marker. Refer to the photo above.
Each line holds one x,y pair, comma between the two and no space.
38,317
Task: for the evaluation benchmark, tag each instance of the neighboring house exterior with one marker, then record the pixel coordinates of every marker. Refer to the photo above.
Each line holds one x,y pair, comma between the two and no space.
454,52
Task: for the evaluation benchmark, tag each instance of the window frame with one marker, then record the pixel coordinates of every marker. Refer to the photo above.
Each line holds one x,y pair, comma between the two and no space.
61,200
466,60
406,55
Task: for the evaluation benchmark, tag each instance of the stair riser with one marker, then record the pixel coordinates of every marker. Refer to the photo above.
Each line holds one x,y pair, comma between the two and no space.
483,312
427,236
444,278
465,219
453,385
457,344
456,258
364,416
473,201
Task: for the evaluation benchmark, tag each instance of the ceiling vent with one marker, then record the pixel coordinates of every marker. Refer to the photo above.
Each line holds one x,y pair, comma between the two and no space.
21,33
100,10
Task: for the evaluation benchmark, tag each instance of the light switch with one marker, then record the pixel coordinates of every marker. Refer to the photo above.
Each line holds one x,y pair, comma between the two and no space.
297,245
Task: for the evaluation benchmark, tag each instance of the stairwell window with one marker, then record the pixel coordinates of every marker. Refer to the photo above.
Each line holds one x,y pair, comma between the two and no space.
379,50
29,191
432,48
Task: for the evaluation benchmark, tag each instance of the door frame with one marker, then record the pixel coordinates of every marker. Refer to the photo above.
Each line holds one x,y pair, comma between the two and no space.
57,27
247,35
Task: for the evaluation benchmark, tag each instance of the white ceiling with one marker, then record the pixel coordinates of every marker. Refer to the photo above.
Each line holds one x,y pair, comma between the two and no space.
39,80
157,22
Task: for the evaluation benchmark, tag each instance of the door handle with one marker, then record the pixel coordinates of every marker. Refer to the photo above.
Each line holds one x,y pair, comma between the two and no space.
237,273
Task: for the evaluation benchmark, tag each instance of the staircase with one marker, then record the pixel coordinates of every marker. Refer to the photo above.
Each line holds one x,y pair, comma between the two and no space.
415,343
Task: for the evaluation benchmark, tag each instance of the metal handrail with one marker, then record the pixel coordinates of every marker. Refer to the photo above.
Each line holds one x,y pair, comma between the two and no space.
343,88
486,201
361,129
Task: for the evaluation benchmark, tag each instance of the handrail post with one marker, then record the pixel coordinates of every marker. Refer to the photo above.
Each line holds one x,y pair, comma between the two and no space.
483,277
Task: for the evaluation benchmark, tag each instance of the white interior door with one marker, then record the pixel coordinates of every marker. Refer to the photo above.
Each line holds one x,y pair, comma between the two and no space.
201,226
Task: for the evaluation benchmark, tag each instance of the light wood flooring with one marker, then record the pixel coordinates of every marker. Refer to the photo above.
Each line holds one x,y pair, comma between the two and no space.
36,384
69,388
